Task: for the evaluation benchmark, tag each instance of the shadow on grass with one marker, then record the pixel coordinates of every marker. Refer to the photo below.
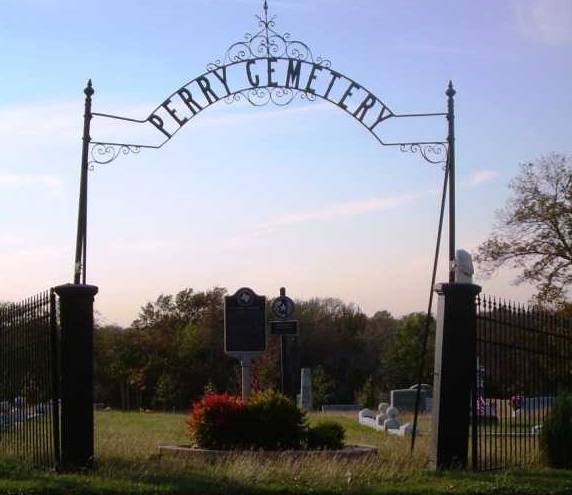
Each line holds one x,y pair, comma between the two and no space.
117,476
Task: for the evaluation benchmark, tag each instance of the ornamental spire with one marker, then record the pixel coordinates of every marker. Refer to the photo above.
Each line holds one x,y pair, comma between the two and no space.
267,35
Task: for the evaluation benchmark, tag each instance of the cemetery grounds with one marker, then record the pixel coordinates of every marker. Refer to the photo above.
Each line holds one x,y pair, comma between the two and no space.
128,462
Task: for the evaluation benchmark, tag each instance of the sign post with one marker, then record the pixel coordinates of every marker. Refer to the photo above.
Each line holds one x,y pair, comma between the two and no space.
282,308
245,331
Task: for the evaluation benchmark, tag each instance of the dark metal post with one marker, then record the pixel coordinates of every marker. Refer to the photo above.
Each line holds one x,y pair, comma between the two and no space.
76,320
451,169
81,240
288,359
454,375
288,362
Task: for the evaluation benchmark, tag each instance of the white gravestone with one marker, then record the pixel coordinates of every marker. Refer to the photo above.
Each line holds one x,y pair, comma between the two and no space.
392,423
306,400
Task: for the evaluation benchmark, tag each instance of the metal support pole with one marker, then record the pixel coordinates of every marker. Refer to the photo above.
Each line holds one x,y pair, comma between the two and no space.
246,369
288,366
81,240
451,169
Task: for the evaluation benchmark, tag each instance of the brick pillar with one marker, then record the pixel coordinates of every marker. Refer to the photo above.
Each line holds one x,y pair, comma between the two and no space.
455,373
76,355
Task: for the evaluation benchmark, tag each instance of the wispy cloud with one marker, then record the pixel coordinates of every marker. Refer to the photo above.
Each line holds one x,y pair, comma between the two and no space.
20,181
145,246
61,123
55,121
33,255
548,21
331,212
344,210
480,177
9,240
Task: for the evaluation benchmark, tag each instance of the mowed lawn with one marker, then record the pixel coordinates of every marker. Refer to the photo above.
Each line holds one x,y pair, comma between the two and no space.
128,461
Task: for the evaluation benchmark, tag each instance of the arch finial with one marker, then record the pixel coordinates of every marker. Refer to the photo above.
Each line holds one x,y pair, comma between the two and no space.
266,28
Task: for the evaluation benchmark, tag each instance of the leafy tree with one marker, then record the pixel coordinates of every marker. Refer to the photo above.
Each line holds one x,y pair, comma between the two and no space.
379,338
182,341
323,387
266,369
332,335
400,368
368,396
175,349
107,366
169,354
534,230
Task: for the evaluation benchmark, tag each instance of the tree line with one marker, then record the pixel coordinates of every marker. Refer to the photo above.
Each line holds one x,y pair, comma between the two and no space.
174,351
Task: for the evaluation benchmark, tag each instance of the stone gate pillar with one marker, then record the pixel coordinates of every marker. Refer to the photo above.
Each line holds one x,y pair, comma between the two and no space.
454,375
76,351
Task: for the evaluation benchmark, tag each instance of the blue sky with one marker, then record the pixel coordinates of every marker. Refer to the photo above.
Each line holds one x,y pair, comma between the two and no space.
300,196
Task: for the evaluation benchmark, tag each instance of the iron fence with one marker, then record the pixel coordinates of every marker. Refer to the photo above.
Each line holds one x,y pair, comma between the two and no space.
29,395
524,360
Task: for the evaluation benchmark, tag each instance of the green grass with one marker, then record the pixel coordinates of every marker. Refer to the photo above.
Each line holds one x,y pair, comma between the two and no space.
127,462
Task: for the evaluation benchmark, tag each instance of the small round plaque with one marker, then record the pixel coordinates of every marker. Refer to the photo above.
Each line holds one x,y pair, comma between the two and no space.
282,307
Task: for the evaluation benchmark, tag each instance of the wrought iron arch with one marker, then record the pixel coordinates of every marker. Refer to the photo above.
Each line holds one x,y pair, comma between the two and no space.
264,68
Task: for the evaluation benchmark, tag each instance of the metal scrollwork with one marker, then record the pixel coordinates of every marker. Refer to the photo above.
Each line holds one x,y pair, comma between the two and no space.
103,153
262,96
431,152
267,42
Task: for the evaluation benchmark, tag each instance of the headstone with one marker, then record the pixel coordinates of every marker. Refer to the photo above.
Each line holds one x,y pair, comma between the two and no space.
306,400
392,423
407,429
366,413
531,406
382,416
404,399
404,430
366,417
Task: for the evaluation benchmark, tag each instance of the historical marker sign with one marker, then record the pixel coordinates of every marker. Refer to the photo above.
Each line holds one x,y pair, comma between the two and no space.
282,308
244,323
280,327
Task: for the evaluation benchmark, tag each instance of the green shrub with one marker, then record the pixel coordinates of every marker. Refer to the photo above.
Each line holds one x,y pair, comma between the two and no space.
268,421
275,422
217,421
326,435
556,434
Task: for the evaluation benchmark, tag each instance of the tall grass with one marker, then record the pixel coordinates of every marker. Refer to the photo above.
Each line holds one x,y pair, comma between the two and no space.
132,439
127,462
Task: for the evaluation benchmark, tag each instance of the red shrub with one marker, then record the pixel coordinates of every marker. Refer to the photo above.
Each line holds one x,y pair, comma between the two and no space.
217,421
